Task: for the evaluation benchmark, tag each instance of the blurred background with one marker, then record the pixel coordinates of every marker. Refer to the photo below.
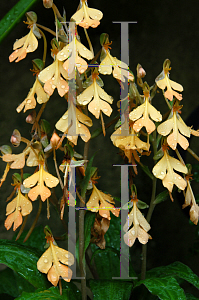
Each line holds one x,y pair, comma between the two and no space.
164,29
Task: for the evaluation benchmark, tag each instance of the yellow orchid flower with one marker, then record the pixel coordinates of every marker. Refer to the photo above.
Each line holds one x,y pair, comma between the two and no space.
139,229
55,262
51,76
30,102
18,207
163,82
103,203
177,125
93,94
190,201
18,160
164,170
74,49
86,17
81,129
40,189
119,68
26,44
141,116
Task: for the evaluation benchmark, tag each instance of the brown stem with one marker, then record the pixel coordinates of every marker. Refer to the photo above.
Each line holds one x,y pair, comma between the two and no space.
46,29
22,228
35,222
57,170
149,214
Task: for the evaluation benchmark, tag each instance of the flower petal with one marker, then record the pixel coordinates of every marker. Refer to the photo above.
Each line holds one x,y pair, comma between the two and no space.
50,180
11,206
53,276
166,127
159,170
106,66
45,261
143,236
64,256
154,113
176,86
32,180
26,205
86,96
83,51
137,112
47,73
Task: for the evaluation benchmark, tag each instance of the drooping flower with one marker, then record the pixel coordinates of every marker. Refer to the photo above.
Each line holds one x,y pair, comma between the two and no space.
76,116
130,141
100,227
141,116
30,102
164,170
163,82
52,78
176,124
94,94
111,64
18,160
55,262
190,201
140,227
71,55
26,44
86,17
103,203
18,207
40,189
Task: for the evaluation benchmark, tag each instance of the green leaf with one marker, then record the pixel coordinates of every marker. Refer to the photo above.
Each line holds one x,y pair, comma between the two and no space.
23,260
88,223
14,16
45,126
87,177
176,269
51,293
109,290
107,261
161,197
36,240
147,171
7,283
166,288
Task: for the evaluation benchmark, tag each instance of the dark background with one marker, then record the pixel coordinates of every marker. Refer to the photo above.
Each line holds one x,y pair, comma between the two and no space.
164,29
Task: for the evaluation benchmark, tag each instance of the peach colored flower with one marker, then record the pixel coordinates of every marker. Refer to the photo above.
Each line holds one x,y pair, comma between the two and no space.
139,229
18,207
176,124
164,170
71,55
18,160
96,96
76,116
55,262
40,189
30,102
111,64
86,17
170,85
103,203
26,44
52,78
141,116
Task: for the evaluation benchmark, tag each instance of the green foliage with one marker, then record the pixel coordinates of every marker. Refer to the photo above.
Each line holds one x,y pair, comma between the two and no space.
52,293
23,260
110,289
14,16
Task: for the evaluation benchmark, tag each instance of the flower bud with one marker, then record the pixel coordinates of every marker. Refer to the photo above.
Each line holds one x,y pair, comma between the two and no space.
47,3
140,71
31,17
15,138
31,117
54,140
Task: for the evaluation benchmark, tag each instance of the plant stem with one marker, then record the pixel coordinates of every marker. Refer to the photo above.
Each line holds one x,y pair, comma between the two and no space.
150,212
81,237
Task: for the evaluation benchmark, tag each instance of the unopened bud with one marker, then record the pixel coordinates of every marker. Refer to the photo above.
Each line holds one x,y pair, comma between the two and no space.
15,138
31,117
54,140
140,71
47,3
31,17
